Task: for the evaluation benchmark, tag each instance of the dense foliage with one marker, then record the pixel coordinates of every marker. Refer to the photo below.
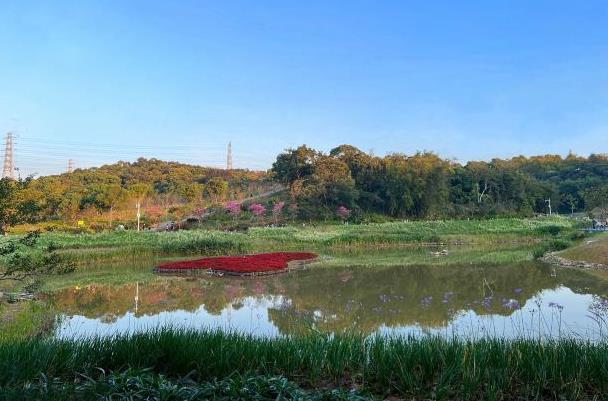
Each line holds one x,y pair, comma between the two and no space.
426,186
21,261
160,187
344,184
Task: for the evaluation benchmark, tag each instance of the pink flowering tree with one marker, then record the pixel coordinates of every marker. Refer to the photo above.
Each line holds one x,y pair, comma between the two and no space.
233,208
277,208
343,213
199,212
257,209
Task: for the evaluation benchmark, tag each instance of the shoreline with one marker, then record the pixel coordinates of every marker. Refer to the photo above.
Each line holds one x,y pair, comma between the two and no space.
553,259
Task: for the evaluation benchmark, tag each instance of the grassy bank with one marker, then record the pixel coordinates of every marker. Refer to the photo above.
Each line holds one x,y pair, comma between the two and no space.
24,320
105,245
424,368
594,250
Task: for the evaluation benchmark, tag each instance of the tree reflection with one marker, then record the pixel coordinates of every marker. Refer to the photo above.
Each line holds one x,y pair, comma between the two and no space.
339,299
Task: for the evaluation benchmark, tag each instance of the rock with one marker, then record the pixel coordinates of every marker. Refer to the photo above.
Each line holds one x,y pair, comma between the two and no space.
553,259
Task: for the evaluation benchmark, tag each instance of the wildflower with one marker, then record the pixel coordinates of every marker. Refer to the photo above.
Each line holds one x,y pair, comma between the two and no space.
343,212
511,304
555,305
233,207
257,209
447,296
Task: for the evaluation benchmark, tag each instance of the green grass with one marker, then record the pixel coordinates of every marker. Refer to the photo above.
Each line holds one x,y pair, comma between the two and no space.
121,257
23,320
138,268
149,386
594,250
422,368
115,244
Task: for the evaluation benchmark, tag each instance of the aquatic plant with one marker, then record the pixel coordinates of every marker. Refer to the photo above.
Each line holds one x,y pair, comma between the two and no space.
263,262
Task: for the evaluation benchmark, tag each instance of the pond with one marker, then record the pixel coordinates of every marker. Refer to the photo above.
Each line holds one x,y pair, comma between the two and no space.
518,299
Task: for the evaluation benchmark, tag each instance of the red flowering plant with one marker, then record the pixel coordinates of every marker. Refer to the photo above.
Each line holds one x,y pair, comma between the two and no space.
262,262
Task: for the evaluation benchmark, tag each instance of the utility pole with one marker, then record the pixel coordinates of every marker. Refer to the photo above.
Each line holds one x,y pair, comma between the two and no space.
138,214
229,157
9,166
70,165
548,202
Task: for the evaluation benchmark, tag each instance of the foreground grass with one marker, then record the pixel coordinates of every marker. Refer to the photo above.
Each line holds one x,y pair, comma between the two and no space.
423,368
135,385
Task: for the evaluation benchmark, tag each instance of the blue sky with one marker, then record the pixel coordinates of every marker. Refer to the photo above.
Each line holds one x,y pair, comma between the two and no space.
106,80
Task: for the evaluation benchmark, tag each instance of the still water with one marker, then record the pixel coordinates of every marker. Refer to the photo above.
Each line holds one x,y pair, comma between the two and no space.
515,300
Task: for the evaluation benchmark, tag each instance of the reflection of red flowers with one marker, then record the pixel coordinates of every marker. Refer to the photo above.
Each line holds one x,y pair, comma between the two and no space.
242,264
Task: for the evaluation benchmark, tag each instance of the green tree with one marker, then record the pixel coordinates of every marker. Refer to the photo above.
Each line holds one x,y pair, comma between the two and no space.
23,262
217,188
110,196
329,185
8,209
294,166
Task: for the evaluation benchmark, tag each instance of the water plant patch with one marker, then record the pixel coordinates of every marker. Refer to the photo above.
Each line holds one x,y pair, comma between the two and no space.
262,263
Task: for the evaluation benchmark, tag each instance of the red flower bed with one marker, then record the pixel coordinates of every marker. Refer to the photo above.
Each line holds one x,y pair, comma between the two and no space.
262,262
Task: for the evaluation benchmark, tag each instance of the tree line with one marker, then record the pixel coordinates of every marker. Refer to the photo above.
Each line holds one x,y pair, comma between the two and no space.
424,185
343,183
157,185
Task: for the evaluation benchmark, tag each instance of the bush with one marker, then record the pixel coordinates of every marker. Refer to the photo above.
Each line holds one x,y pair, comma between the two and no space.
552,229
577,235
554,245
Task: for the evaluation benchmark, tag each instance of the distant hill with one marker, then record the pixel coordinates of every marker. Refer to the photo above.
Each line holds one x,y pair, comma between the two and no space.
152,182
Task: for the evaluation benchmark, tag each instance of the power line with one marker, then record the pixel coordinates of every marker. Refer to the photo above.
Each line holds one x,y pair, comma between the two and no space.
56,151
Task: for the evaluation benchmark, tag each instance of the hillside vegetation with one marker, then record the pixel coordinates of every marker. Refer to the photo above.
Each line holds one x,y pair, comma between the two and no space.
426,186
344,184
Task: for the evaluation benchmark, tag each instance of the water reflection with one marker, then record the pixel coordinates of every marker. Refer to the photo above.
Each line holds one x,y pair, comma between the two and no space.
516,300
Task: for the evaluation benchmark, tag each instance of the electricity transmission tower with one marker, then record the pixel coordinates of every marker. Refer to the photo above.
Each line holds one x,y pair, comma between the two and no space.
229,157
8,167
70,165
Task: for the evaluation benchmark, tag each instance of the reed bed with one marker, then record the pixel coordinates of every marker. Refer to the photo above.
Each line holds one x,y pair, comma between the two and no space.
322,235
411,368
